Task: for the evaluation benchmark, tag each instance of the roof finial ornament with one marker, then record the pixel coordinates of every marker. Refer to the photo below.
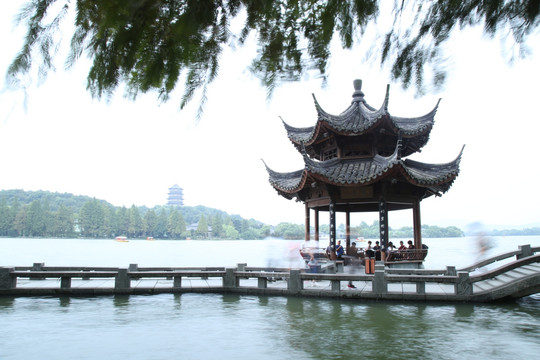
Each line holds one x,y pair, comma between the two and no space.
358,95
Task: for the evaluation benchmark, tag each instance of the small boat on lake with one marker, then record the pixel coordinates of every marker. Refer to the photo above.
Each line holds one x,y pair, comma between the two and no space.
121,239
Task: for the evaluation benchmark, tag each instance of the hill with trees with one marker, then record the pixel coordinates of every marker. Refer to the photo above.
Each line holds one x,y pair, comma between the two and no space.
47,214
363,230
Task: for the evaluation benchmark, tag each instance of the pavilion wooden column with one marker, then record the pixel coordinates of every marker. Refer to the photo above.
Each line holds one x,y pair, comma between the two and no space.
417,225
332,212
307,222
383,223
348,230
316,220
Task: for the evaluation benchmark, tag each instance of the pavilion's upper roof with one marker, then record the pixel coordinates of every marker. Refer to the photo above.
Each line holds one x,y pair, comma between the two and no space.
361,118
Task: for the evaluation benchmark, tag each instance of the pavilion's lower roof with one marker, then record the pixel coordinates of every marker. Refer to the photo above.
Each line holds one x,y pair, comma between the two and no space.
359,172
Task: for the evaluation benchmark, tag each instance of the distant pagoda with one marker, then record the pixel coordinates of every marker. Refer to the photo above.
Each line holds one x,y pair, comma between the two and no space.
355,162
176,196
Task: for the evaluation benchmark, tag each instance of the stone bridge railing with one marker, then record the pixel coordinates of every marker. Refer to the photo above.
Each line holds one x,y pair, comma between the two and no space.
384,284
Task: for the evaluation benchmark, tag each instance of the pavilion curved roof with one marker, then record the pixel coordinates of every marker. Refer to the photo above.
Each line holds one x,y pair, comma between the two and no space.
357,172
360,118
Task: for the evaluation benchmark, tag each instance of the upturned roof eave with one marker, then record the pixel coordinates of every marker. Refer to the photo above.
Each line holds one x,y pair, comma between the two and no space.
439,176
359,109
287,182
414,126
436,177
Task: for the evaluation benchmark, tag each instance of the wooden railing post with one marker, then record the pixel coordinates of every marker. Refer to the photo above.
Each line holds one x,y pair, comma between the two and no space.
230,280
295,281
37,267
463,285
379,284
262,283
65,282
177,282
6,280
525,251
122,280
336,285
86,277
133,267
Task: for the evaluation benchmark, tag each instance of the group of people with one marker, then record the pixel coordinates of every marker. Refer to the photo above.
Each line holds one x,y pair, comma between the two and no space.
376,250
372,251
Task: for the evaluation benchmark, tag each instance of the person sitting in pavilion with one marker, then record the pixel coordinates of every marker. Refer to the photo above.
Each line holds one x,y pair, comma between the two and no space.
353,250
339,250
410,250
389,250
369,250
377,249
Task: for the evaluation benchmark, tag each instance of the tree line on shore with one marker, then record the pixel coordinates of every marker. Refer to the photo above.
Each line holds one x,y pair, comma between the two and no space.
363,230
46,214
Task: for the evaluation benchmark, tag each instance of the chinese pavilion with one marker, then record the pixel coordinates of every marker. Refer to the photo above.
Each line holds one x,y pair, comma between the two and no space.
356,162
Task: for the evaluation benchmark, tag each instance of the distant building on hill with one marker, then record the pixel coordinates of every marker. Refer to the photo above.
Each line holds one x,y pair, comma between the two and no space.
176,196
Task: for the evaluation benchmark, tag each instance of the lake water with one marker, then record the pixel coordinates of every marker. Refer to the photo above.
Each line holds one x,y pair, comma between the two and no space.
207,326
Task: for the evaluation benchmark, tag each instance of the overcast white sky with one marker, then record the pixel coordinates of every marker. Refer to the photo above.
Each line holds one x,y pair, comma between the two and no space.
132,152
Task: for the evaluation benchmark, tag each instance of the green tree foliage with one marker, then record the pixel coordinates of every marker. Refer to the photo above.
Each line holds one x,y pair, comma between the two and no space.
289,231
92,219
36,222
161,226
135,227
202,227
366,231
217,225
54,200
19,223
150,223
515,232
5,217
176,225
151,45
43,214
64,225
372,231
231,233
122,221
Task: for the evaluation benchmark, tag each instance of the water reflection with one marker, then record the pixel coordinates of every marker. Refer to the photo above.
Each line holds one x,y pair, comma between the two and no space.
530,302
177,301
64,301
263,300
6,303
349,329
464,311
121,301
199,326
